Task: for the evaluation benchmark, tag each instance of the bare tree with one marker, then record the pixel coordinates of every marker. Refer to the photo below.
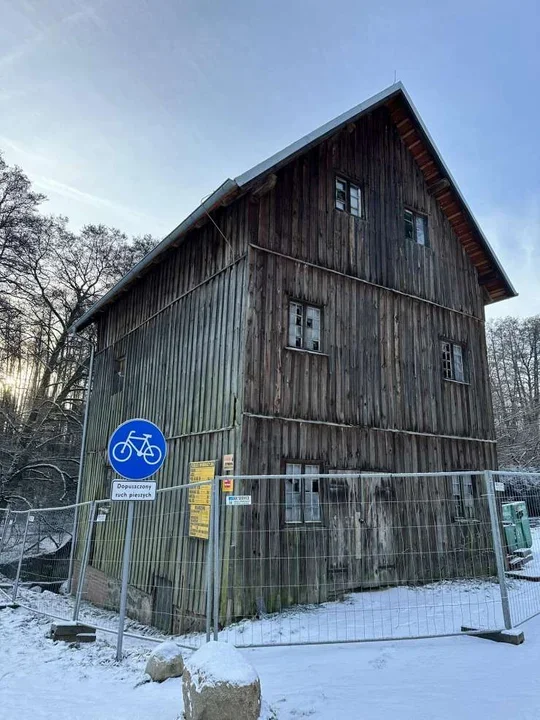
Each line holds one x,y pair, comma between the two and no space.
49,276
514,358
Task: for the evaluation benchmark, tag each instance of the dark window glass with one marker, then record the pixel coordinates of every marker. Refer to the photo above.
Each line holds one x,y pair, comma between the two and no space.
348,197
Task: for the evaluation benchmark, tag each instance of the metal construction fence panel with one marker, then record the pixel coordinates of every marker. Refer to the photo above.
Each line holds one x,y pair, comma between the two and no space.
169,585
301,558
354,557
518,507
35,548
167,567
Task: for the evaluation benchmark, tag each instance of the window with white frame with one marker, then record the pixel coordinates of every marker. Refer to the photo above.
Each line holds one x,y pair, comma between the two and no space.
463,497
302,493
453,360
304,326
348,197
416,227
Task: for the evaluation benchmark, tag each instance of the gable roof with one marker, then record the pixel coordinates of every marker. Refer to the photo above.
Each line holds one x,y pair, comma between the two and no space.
416,137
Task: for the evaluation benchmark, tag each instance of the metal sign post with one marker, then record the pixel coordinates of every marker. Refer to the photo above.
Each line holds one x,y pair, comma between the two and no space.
125,577
137,450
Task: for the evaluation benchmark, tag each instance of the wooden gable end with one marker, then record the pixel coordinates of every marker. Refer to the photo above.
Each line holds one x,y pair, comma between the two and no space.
441,188
297,217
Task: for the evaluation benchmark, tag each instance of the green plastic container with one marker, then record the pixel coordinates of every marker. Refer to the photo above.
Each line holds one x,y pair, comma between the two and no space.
516,525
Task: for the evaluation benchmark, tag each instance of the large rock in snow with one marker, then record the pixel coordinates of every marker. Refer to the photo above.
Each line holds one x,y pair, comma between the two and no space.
166,661
220,684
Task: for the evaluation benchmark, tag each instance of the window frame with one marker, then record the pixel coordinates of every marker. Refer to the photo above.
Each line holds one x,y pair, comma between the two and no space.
417,215
452,360
119,374
305,305
463,500
302,522
347,202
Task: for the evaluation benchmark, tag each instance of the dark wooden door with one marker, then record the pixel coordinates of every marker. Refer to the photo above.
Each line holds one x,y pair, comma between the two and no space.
359,520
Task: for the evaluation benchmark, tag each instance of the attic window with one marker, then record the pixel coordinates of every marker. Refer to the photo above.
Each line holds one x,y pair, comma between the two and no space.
416,227
348,197
304,326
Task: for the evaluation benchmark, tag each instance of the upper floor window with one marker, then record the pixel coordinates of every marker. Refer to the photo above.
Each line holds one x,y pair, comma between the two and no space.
453,361
348,197
302,494
416,227
304,326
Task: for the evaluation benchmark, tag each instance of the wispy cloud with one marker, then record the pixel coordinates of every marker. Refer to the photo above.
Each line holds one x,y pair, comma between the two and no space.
83,12
67,191
20,150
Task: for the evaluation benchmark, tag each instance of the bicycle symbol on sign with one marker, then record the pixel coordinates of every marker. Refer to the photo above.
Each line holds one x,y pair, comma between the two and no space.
123,450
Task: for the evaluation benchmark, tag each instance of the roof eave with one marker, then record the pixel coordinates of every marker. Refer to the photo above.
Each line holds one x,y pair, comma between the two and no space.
213,201
274,162
511,290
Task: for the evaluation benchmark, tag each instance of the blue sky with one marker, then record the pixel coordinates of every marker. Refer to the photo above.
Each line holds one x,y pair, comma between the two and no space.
128,112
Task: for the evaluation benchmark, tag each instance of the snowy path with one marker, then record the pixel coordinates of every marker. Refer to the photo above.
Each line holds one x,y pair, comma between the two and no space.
442,679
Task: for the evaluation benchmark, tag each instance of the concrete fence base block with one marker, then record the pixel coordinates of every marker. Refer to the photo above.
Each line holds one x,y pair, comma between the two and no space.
512,637
72,632
4,605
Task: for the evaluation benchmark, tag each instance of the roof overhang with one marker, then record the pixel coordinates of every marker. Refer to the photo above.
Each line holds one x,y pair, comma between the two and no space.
416,137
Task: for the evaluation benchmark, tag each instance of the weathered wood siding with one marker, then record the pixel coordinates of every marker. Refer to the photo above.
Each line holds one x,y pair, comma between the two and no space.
380,364
204,337
180,330
374,399
386,301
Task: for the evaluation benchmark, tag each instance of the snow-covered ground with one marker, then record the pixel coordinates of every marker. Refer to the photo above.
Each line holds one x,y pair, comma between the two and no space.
441,678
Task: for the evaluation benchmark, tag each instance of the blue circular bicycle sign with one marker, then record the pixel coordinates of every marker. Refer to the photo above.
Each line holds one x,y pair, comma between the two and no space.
137,449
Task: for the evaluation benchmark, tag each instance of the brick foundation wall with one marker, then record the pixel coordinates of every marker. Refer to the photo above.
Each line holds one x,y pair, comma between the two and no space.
104,591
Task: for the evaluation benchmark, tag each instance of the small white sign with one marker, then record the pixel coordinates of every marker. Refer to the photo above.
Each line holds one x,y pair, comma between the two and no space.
101,518
133,490
31,518
239,500
499,486
228,463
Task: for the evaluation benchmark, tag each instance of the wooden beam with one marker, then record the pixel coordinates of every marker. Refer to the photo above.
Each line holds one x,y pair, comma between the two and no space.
439,186
269,183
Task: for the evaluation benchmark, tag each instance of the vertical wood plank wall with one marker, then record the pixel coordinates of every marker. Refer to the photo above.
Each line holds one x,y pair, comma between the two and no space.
374,399
204,337
180,331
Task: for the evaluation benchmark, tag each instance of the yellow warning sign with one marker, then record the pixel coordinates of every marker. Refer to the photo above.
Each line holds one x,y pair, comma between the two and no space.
227,484
199,521
199,472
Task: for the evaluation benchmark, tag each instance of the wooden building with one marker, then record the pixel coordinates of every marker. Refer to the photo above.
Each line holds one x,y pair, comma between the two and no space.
323,312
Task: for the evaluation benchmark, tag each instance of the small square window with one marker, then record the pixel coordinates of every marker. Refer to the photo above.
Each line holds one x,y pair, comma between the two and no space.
348,197
452,361
305,326
416,227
